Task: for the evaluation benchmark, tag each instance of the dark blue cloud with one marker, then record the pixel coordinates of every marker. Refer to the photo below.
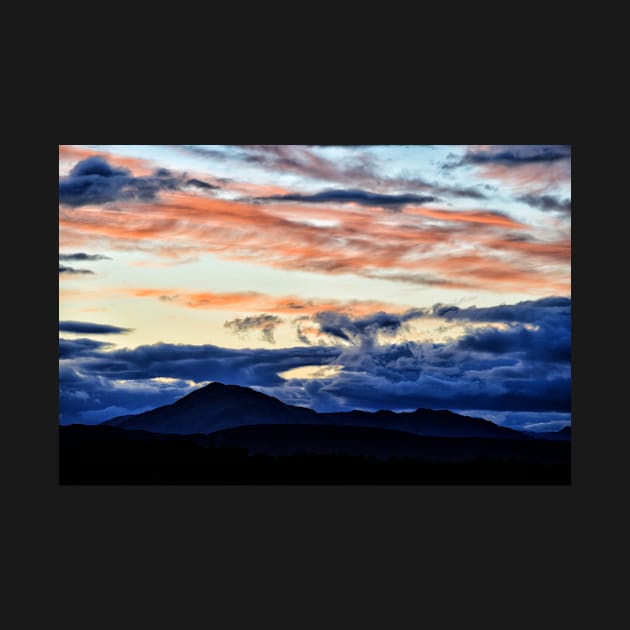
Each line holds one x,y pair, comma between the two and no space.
362,197
547,344
72,348
72,270
362,329
524,366
513,155
206,362
546,202
90,328
523,155
199,184
83,256
372,393
265,323
530,311
551,312
95,181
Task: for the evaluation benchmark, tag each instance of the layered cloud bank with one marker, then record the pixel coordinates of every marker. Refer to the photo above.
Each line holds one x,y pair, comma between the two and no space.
396,236
522,366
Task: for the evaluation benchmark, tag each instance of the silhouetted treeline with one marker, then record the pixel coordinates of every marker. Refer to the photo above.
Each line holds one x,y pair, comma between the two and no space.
98,455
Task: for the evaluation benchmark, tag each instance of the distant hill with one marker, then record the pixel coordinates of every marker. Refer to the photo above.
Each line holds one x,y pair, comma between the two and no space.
563,435
284,440
217,407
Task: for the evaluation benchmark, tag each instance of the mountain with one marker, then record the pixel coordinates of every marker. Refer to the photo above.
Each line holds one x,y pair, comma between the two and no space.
216,407
433,422
563,435
212,408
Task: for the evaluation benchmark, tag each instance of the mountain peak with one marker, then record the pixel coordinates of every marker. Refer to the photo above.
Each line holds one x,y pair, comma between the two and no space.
218,406
220,394
222,389
218,386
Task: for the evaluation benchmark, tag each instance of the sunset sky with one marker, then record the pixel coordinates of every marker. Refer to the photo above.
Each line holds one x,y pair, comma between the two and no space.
333,277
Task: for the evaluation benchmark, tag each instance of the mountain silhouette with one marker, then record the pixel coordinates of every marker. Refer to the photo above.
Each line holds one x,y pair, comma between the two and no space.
217,407
282,440
212,408
563,435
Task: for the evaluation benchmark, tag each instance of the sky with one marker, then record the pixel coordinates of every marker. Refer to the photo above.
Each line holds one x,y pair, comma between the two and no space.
333,277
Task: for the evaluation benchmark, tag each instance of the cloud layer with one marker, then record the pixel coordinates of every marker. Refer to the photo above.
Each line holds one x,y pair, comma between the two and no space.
91,328
361,197
83,256
521,367
534,168
95,181
72,270
516,155
265,323
417,243
546,202
359,169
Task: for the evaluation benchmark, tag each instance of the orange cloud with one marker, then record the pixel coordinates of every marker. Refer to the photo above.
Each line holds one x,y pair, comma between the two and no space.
366,242
261,302
499,274
557,251
470,216
255,190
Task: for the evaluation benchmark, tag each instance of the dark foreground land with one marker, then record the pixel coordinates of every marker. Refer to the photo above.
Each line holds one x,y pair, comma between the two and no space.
308,454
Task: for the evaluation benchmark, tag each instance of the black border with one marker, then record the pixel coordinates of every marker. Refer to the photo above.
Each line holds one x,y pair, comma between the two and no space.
477,551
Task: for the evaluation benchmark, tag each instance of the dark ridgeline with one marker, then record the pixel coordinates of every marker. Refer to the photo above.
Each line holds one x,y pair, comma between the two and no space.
563,435
217,406
230,434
